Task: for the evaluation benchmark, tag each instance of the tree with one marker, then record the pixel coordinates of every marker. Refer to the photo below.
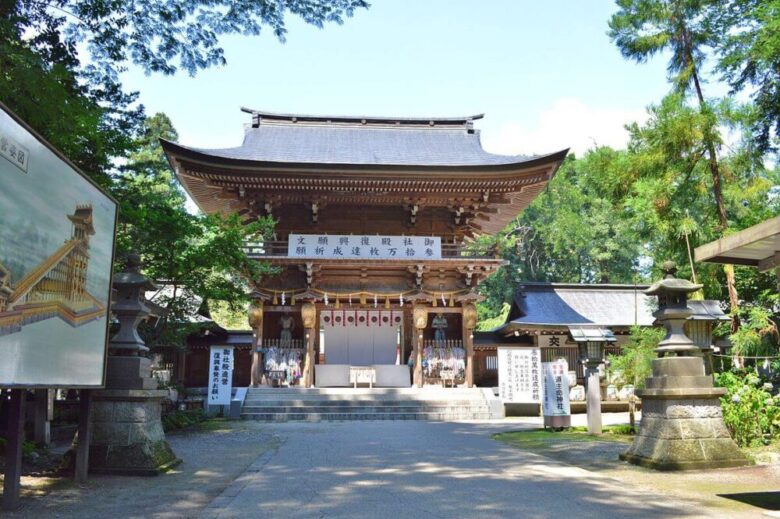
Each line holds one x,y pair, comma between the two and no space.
643,28
748,47
162,36
196,257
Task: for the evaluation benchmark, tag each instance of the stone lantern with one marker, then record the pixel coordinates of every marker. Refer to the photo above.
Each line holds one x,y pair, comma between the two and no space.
682,421
591,342
127,433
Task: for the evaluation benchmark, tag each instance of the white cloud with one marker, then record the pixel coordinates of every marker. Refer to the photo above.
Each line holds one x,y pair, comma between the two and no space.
568,123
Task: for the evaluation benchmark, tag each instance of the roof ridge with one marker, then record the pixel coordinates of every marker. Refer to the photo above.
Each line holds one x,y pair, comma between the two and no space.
465,122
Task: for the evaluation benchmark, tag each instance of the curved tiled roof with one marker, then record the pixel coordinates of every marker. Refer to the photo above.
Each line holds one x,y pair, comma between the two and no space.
283,138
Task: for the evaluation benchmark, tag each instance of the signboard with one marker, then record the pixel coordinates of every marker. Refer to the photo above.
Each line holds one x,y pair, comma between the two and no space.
519,375
220,375
56,254
556,388
333,246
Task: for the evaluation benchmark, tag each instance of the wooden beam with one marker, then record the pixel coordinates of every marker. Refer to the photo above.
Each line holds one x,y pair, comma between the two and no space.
769,263
724,246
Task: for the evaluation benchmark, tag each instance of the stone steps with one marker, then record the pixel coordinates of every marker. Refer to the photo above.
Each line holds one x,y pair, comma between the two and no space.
348,404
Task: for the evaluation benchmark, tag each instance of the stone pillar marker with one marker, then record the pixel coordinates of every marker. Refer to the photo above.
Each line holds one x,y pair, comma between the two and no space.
127,434
682,422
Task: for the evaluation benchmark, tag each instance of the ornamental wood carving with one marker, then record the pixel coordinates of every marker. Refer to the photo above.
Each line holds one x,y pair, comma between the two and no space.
308,314
255,316
420,314
470,316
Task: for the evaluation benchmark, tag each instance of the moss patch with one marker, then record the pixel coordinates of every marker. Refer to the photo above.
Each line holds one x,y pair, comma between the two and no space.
541,438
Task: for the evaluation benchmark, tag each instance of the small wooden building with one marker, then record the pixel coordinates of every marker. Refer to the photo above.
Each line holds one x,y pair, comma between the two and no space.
374,238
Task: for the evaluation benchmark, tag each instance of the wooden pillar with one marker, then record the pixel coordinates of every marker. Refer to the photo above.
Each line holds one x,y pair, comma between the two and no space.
309,318
13,450
44,413
420,320
256,322
82,448
469,323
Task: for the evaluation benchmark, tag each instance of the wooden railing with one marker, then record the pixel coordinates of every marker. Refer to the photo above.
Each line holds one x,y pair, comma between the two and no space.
443,344
293,344
279,248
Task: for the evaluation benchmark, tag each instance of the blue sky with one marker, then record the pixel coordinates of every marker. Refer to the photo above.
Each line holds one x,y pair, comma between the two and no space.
544,73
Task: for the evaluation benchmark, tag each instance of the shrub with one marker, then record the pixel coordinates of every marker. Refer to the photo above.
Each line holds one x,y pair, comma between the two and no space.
751,413
182,419
635,362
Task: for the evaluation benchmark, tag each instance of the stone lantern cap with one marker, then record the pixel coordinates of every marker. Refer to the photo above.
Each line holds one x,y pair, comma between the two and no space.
671,284
131,276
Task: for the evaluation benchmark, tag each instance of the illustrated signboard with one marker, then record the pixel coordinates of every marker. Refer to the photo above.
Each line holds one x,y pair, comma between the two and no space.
333,246
220,375
555,406
519,375
56,254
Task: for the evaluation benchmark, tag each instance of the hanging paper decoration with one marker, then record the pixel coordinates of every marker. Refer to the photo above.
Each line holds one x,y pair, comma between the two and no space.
283,298
443,302
401,299
375,302
350,299
326,299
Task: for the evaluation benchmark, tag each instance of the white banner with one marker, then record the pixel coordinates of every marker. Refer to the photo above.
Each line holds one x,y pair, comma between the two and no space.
220,375
333,246
519,375
556,388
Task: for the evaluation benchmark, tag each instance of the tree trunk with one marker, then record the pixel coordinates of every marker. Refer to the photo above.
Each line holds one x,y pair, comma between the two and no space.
717,191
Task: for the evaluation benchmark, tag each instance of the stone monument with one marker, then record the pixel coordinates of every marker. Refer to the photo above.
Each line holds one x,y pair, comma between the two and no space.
127,434
682,422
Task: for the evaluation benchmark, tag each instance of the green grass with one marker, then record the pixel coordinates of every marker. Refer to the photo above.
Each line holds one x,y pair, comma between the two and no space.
540,438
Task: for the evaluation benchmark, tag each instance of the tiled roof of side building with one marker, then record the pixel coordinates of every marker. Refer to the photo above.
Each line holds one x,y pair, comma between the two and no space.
550,304
303,139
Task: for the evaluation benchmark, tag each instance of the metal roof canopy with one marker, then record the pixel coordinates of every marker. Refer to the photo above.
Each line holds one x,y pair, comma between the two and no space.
591,334
757,246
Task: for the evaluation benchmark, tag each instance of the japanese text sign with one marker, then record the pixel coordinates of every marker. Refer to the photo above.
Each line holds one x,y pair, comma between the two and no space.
519,375
332,246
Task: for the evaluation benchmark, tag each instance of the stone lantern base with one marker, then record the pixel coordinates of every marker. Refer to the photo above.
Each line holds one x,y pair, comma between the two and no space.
127,434
682,422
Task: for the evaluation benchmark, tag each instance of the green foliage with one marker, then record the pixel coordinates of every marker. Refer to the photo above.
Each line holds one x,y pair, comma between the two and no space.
195,257
635,360
758,335
182,419
748,49
487,323
227,318
750,412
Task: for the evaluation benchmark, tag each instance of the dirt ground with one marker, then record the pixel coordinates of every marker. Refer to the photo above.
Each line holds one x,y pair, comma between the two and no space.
214,455
746,492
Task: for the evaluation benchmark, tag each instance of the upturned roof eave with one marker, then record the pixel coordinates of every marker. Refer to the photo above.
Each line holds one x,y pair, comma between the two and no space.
174,151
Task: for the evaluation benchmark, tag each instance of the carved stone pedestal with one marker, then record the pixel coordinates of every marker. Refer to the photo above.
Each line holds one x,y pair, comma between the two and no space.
127,434
682,422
